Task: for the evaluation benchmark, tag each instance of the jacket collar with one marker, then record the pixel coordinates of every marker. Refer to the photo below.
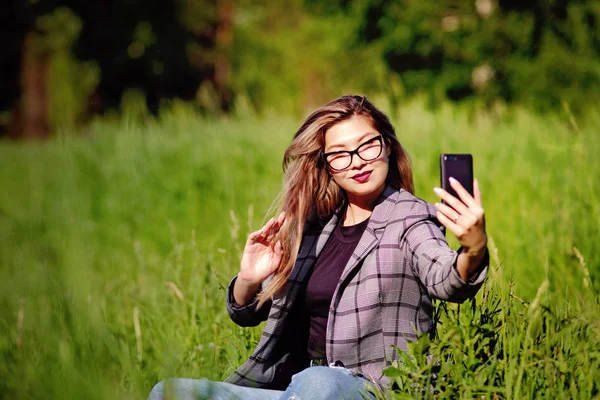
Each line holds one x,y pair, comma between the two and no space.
378,221
372,236
313,245
384,208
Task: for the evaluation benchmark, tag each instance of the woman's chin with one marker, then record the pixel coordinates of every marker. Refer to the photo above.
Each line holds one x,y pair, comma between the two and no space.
364,191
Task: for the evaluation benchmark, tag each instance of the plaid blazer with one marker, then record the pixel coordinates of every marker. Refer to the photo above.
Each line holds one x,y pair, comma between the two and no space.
383,298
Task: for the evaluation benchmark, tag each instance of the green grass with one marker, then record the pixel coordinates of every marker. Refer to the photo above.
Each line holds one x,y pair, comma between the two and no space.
141,223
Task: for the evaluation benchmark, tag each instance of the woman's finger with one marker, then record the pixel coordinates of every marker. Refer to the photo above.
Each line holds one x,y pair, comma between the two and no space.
277,225
281,218
269,230
477,192
267,227
462,193
452,201
447,211
277,252
263,232
274,228
254,235
464,220
451,225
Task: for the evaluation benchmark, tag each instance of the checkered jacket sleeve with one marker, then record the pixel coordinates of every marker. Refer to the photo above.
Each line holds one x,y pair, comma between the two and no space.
248,315
435,263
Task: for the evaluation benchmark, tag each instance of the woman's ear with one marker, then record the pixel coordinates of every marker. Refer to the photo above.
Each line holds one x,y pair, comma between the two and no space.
388,148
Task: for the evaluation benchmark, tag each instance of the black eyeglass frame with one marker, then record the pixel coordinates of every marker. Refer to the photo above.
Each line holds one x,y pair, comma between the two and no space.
353,152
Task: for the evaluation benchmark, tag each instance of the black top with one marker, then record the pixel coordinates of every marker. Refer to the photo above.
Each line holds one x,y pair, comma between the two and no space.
324,279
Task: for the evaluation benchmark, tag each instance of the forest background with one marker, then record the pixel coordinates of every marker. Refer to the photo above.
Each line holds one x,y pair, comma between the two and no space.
64,62
162,128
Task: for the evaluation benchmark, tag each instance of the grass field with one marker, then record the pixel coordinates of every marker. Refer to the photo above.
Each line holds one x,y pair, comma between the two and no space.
116,245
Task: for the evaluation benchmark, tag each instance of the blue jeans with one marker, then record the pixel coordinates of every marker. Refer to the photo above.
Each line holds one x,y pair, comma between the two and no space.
316,383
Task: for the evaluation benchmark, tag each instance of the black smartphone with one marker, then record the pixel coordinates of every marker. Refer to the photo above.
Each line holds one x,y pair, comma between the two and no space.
459,167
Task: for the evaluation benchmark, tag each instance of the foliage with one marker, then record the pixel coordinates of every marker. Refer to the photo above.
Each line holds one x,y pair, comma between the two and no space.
72,82
534,53
99,50
165,49
294,55
538,55
498,346
116,245
302,55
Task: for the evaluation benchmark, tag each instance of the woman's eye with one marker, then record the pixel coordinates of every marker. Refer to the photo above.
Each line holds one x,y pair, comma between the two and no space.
333,157
369,146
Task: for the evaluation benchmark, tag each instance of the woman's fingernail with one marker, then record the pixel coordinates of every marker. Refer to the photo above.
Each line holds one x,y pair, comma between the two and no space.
437,190
437,205
452,179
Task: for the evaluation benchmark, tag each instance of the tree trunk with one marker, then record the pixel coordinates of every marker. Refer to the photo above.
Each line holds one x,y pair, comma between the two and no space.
224,42
29,118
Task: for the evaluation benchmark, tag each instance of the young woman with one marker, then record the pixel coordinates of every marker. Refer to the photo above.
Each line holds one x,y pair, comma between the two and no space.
345,273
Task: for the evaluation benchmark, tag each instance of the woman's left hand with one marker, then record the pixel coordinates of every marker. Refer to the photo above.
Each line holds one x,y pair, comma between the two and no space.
465,217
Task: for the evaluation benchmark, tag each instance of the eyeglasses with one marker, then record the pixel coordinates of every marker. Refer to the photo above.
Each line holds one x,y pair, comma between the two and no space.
367,151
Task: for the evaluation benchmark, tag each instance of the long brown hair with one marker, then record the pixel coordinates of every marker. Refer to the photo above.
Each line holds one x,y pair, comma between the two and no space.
309,191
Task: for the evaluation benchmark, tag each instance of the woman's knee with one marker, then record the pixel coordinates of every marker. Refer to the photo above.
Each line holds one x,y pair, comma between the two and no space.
324,375
180,388
327,382
157,392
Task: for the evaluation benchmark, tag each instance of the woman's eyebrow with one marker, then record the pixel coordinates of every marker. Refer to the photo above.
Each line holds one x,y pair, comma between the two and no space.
360,141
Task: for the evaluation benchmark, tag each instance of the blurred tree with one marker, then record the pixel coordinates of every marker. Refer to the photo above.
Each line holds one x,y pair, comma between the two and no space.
535,52
24,69
292,55
178,48
223,46
70,81
12,32
166,49
561,60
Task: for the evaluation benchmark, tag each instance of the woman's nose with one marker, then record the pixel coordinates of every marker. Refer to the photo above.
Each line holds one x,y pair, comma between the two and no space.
357,162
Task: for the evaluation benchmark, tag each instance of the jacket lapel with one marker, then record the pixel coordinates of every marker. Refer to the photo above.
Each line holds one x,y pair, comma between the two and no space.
369,240
311,247
374,230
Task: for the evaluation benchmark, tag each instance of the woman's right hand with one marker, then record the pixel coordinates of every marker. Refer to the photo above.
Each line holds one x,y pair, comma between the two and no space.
260,259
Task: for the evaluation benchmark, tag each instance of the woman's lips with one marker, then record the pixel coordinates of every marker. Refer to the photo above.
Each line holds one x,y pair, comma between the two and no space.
362,177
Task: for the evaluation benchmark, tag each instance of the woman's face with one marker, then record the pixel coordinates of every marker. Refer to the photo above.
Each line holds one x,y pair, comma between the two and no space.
361,174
